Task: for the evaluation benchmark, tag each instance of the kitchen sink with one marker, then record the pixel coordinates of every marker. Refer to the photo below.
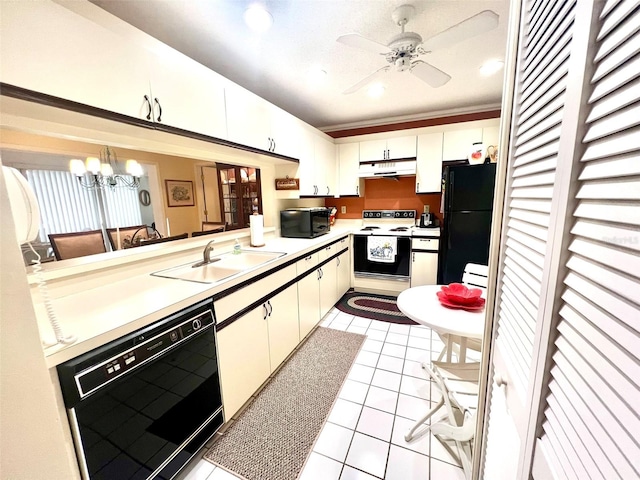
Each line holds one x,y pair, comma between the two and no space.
220,267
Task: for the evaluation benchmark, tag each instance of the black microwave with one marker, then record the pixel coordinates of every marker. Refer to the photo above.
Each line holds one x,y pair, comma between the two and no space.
304,222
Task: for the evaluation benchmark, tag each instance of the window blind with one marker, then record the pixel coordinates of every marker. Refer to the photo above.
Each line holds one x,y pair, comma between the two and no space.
66,207
591,423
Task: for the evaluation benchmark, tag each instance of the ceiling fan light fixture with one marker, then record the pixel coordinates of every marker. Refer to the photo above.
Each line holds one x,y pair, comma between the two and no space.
491,67
376,90
257,18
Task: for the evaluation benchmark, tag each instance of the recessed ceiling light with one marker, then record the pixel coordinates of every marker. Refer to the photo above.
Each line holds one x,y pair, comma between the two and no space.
491,67
376,90
258,18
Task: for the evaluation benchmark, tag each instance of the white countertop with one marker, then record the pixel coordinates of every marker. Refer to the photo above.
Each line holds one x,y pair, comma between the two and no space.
425,232
126,298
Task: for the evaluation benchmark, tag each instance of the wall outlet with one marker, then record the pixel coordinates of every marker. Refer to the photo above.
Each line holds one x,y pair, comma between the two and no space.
343,209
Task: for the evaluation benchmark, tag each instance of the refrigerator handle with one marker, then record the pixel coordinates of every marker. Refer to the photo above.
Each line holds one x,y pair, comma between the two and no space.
450,192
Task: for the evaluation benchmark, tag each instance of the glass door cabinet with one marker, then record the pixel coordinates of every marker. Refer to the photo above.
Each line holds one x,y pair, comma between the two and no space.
240,194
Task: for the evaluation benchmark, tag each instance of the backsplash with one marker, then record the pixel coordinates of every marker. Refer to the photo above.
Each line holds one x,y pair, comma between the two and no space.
387,194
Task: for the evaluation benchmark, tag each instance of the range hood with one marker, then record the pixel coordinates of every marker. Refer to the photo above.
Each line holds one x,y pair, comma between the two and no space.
386,168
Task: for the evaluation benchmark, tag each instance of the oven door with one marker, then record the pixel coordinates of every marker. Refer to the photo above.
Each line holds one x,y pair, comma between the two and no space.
398,269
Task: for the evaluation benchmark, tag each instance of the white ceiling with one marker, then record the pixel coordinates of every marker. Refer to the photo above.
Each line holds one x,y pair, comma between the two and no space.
275,64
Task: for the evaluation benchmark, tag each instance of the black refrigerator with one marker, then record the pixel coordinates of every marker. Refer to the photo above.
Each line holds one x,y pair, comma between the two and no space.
468,206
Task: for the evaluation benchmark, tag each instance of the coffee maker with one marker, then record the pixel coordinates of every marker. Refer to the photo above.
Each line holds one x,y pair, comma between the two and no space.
428,219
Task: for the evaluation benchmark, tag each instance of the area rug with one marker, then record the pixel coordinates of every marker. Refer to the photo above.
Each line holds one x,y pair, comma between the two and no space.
271,439
375,307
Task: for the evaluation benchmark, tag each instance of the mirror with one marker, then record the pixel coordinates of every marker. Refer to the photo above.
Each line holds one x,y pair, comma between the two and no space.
68,207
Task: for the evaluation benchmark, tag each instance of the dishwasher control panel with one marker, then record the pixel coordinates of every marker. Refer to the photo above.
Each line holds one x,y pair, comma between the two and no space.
84,375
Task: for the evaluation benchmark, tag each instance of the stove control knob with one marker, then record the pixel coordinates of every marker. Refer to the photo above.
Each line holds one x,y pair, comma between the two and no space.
397,214
406,214
378,214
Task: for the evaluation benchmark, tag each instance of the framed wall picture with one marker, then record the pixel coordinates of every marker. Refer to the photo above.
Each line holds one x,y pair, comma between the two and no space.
179,193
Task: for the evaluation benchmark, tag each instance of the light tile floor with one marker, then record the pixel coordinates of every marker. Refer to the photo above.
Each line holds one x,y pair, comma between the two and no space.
385,392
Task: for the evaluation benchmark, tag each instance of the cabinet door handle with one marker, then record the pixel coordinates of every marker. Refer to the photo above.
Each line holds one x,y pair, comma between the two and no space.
417,187
357,188
159,119
327,189
308,258
328,248
146,97
266,314
321,273
274,144
270,307
414,257
338,261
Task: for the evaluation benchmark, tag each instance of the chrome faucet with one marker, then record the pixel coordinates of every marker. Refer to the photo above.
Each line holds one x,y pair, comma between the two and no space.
206,256
207,252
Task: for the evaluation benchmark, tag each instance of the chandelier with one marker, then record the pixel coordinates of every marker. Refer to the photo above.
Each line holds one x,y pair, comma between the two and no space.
102,172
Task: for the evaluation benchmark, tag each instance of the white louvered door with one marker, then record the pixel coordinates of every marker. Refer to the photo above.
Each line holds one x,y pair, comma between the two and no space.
591,422
538,110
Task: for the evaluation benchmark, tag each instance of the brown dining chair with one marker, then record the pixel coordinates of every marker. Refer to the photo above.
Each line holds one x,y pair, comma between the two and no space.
152,241
208,232
217,226
77,244
126,235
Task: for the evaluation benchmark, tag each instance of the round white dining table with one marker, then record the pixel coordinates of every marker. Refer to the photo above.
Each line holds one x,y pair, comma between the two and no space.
422,305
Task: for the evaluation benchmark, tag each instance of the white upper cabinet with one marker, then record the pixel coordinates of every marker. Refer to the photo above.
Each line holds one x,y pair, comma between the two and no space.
254,122
429,163
52,50
248,121
325,168
457,143
285,132
317,169
49,49
388,149
187,95
348,164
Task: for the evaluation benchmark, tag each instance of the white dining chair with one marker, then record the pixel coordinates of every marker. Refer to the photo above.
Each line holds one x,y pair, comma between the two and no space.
474,276
458,386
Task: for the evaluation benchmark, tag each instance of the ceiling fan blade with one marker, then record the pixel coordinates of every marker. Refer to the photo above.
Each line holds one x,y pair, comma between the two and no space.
472,26
358,41
365,80
429,74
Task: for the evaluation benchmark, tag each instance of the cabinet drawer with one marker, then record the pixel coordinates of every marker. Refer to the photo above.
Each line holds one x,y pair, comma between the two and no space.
307,263
425,244
327,251
233,303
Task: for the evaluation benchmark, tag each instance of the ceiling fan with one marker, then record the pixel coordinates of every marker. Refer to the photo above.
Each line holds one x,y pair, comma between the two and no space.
403,50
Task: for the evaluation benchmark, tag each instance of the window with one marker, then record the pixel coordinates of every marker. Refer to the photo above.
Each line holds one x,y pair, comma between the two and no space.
66,207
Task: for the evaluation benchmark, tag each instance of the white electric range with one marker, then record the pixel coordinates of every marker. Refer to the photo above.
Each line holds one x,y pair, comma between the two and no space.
414,260
382,251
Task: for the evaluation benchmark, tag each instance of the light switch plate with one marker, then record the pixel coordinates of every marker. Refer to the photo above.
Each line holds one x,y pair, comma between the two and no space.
343,209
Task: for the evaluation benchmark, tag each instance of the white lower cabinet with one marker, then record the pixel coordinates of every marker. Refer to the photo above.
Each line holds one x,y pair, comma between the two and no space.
308,302
282,320
424,261
343,282
328,286
243,359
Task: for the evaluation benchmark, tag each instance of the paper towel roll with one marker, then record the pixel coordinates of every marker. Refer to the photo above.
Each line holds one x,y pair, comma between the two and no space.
256,224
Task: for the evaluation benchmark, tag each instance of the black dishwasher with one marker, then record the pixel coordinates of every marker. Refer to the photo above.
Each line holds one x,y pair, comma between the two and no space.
141,406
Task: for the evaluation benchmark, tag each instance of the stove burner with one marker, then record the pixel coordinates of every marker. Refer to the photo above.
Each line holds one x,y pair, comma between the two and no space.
370,228
399,229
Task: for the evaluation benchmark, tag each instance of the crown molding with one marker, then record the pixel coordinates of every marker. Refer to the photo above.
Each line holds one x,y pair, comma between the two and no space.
413,121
